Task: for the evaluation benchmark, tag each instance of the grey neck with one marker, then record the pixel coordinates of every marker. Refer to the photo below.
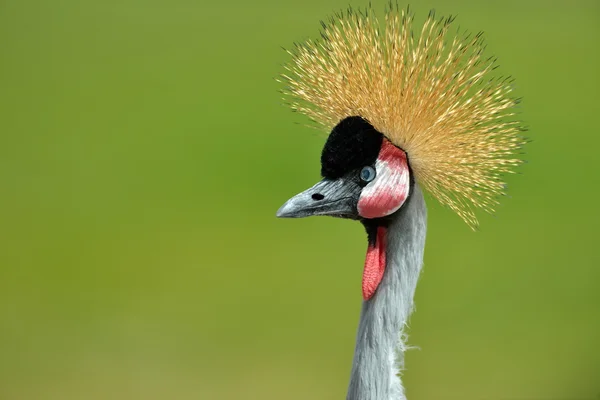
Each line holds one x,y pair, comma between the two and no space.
379,353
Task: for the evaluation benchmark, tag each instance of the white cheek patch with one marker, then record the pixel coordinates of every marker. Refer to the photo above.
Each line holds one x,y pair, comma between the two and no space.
386,194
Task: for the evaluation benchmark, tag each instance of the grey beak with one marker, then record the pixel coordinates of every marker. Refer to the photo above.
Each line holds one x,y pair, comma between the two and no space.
337,198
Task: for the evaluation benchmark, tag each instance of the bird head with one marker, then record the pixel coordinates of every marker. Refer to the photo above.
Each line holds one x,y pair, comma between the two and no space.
403,110
365,176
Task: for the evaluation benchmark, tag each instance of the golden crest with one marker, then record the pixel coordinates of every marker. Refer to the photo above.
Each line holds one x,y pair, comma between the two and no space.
433,96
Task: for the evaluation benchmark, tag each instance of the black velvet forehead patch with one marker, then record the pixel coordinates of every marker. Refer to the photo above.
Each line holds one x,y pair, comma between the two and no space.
352,144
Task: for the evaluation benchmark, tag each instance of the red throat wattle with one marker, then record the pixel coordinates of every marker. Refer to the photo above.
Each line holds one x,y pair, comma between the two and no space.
374,264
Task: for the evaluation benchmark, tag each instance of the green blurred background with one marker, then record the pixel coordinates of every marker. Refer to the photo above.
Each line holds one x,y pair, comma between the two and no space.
144,151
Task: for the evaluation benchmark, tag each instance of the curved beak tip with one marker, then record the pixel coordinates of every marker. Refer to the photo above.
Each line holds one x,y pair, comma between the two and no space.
296,207
283,211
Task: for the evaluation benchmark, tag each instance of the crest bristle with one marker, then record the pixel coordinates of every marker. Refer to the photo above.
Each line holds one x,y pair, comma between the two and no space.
431,95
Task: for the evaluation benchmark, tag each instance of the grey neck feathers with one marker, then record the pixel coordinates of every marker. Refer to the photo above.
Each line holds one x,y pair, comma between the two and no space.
379,353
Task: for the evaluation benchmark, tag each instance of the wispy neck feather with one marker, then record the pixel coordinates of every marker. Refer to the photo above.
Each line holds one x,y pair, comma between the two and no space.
379,353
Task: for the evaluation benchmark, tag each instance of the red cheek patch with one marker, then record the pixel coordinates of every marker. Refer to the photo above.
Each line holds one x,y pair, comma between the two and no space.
386,194
374,264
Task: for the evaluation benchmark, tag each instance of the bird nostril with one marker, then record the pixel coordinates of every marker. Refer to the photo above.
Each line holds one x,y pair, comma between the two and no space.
318,196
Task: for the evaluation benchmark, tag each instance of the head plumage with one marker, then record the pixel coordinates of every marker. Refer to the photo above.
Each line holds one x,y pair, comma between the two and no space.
433,96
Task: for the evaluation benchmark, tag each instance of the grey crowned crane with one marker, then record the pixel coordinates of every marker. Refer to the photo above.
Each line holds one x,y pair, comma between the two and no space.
404,114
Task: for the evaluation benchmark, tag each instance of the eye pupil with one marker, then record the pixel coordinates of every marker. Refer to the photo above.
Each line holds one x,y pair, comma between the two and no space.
367,174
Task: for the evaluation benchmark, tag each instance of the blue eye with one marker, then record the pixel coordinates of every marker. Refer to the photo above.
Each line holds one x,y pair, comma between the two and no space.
367,174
